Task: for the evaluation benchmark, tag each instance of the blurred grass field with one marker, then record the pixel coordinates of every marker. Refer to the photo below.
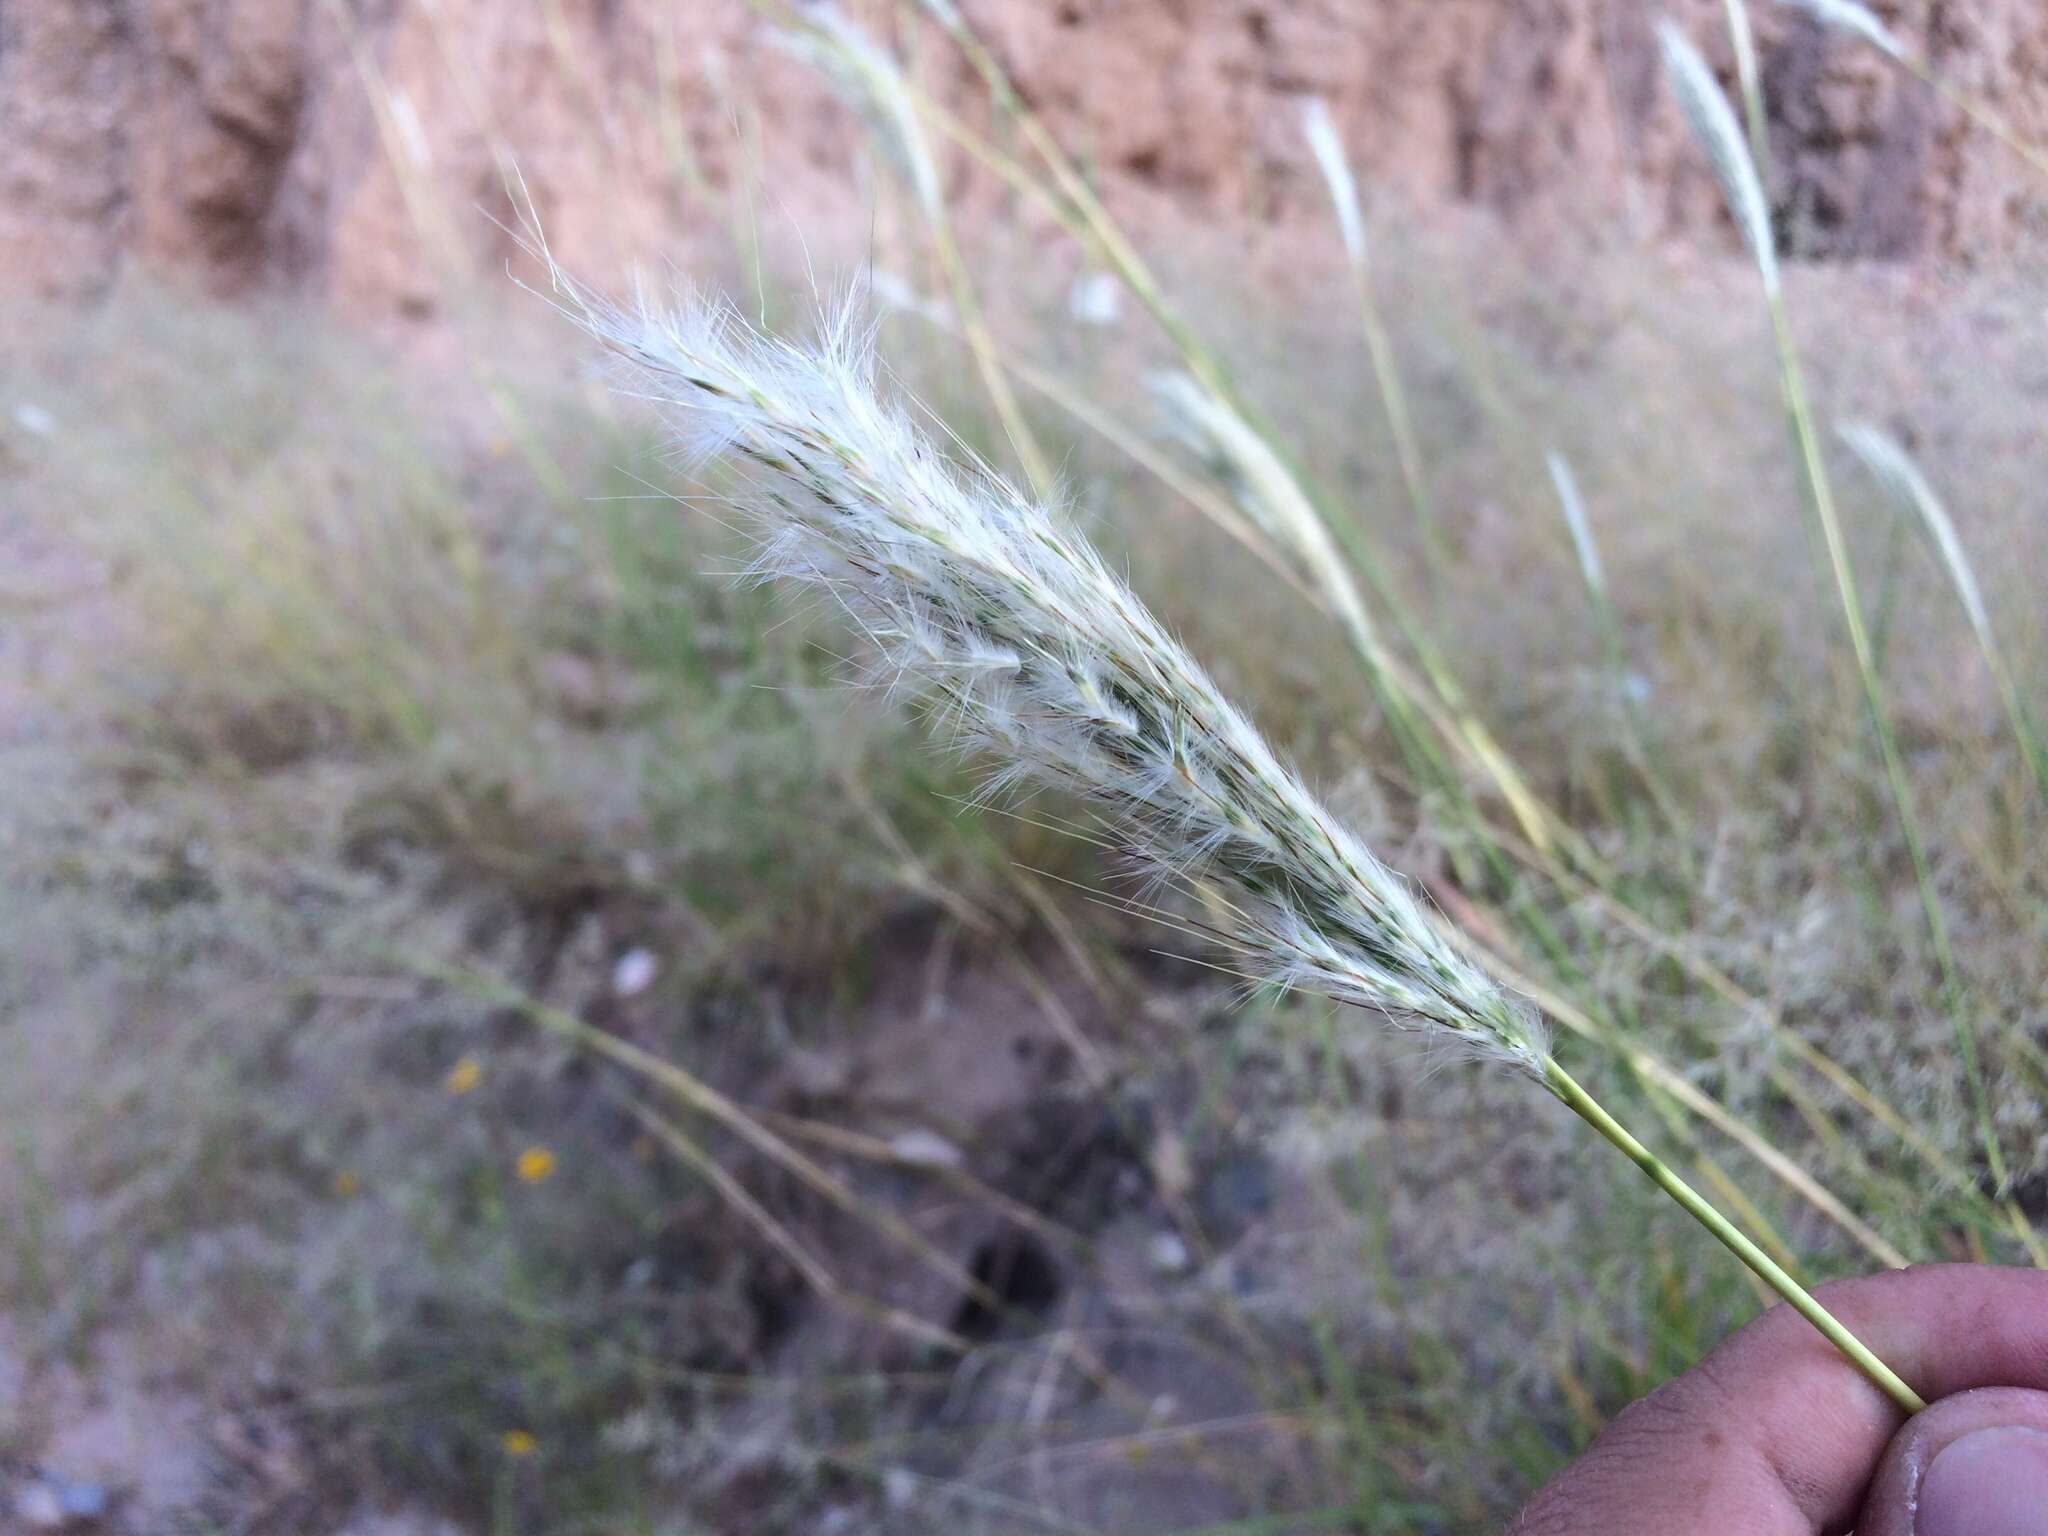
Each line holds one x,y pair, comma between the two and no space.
504,1036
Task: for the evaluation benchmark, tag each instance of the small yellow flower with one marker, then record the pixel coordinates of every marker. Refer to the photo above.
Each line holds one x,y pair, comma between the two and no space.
535,1164
518,1443
463,1076
346,1184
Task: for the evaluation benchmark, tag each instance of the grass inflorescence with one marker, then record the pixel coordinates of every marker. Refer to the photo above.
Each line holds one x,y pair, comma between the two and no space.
975,595
609,1068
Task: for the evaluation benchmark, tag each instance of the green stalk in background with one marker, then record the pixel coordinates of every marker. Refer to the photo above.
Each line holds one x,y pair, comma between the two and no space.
1742,37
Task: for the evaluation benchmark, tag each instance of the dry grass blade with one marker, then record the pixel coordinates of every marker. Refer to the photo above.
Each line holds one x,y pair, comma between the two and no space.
717,1107
1653,1069
1635,738
1567,487
832,43
1244,463
785,1242
1749,78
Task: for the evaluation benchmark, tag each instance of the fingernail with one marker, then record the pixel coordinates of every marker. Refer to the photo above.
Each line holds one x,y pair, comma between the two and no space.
1991,1482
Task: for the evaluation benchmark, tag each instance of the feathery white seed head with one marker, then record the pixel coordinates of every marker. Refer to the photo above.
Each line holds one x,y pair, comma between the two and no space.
1324,142
1575,518
834,44
1852,17
1902,480
1713,123
1025,642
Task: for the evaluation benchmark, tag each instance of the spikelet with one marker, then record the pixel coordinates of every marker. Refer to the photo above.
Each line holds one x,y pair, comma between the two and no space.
1320,128
1852,17
1245,464
1575,518
1713,123
1026,644
1902,480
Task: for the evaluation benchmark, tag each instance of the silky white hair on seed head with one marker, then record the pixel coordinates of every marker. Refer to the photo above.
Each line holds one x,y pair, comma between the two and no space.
1015,628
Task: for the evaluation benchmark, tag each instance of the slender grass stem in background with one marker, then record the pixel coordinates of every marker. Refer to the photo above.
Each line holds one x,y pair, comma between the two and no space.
1706,109
1742,38
1901,478
1328,147
1024,642
1858,20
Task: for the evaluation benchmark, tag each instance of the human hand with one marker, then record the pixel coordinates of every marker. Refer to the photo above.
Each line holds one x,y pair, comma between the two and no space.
1775,1434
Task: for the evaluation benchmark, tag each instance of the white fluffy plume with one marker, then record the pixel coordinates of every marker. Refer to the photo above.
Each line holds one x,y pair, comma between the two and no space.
1028,645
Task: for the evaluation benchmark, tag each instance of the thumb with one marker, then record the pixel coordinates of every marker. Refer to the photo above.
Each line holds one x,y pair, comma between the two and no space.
1975,1464
1775,1434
